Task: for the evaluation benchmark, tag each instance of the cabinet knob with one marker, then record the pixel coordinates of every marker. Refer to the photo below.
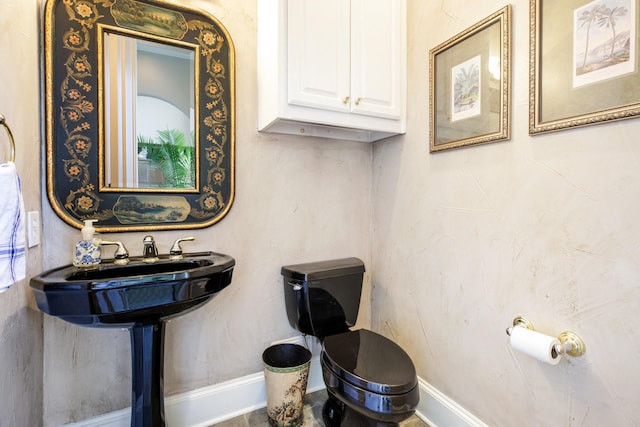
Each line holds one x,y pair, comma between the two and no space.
345,100
357,101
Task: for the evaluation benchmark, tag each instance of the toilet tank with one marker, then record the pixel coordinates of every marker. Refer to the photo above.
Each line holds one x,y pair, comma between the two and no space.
322,298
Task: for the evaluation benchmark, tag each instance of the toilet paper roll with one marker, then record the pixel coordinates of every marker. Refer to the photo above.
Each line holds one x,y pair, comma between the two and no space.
535,344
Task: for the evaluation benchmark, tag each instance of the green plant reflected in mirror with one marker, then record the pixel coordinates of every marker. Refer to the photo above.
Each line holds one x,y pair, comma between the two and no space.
166,162
140,114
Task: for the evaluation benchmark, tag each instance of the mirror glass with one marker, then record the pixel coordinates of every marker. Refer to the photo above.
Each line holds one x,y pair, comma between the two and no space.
151,144
140,118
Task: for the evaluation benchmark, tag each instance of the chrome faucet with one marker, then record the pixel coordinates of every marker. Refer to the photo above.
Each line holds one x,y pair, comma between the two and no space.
149,251
176,250
121,256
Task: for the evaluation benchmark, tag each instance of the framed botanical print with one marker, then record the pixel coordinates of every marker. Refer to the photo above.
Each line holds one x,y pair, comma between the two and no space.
583,63
470,84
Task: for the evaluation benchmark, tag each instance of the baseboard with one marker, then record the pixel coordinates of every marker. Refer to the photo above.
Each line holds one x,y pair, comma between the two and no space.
439,410
210,405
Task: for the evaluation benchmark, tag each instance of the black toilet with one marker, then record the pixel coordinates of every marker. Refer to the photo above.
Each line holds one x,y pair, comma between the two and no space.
370,380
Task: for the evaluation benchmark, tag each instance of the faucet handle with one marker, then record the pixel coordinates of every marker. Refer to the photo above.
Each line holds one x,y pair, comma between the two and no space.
121,256
176,249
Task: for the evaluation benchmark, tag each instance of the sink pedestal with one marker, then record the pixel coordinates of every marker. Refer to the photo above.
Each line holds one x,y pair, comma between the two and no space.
147,375
140,297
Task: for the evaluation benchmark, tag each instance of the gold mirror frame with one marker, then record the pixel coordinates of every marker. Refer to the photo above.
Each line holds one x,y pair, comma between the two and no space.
75,125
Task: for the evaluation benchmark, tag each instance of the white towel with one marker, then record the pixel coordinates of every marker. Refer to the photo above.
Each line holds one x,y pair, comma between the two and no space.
13,257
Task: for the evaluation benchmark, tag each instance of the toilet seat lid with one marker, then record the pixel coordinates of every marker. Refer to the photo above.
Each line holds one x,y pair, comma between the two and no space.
370,361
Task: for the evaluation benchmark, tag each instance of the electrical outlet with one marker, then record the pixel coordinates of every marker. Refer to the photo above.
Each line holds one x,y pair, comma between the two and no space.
33,228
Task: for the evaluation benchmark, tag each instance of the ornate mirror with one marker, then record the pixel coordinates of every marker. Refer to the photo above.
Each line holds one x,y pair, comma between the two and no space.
139,114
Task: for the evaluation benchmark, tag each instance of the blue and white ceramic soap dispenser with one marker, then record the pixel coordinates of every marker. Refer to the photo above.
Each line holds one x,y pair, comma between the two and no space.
87,252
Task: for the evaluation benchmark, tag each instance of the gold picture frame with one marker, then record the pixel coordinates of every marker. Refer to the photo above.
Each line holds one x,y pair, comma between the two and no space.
470,85
582,69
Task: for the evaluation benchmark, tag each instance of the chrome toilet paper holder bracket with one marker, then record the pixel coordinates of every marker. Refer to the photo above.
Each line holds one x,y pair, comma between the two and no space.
570,343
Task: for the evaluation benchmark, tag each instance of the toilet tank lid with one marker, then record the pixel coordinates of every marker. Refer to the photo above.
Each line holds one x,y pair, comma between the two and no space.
324,269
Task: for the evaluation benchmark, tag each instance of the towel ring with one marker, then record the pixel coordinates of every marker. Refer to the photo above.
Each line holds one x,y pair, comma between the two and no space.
12,155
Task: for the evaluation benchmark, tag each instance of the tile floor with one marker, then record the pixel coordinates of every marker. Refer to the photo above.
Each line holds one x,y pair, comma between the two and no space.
312,415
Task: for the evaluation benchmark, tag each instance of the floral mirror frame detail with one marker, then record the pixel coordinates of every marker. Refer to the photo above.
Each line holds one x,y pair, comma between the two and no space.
74,116
470,85
583,63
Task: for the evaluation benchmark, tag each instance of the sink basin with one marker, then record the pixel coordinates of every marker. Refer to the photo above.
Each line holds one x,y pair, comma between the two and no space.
140,297
113,295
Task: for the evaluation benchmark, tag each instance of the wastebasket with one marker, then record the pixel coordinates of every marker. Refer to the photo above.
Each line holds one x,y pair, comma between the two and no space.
286,369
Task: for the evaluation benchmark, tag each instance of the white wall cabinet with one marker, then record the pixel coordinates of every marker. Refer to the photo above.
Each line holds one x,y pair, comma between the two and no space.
332,68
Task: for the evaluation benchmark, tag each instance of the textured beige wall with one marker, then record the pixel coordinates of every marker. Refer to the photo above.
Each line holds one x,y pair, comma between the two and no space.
20,322
463,241
545,227
296,200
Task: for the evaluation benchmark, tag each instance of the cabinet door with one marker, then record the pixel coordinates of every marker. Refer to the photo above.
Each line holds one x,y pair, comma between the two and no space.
319,54
378,63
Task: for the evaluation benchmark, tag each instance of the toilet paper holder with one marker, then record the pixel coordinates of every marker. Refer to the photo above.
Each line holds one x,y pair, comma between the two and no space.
570,343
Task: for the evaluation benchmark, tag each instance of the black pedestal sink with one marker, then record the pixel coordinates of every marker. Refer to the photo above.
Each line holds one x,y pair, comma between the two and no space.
140,297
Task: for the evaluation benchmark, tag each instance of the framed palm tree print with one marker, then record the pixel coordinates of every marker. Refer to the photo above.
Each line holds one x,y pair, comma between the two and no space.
469,79
583,63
